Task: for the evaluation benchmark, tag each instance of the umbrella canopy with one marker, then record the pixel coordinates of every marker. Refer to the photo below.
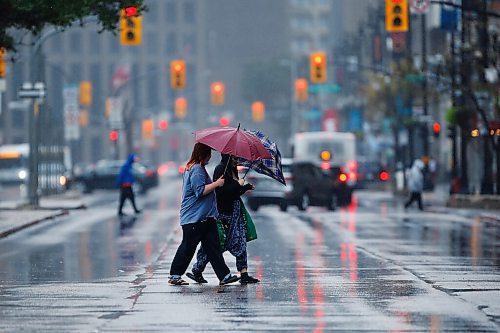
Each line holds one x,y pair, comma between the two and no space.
267,166
234,141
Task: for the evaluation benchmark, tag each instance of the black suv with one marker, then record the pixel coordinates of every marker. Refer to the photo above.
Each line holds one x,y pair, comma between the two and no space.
104,174
307,185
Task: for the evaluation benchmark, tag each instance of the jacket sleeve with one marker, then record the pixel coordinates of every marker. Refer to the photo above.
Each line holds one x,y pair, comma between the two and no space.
198,181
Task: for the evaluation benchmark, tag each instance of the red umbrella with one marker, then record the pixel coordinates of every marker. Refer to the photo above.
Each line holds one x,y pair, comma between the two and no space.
234,141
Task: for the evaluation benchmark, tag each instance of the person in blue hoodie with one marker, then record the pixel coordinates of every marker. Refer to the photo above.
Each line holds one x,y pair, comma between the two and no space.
125,181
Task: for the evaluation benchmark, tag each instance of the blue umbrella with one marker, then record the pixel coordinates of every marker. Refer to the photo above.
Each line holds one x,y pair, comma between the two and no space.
270,167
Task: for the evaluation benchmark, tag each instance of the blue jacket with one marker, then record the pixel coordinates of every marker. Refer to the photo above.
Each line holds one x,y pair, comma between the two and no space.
126,175
195,206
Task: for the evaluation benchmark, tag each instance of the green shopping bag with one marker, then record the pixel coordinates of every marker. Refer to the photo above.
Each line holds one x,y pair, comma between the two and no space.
251,231
222,234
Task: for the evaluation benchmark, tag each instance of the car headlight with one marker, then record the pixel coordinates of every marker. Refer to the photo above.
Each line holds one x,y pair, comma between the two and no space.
22,174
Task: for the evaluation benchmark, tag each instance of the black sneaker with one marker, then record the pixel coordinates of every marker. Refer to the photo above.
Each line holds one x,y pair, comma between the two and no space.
196,277
229,279
248,279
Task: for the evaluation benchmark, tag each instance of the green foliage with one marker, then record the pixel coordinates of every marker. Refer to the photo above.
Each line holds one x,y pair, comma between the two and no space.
451,115
34,15
267,81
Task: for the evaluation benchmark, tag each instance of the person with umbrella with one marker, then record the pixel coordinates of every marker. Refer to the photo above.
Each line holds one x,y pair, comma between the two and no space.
198,215
229,205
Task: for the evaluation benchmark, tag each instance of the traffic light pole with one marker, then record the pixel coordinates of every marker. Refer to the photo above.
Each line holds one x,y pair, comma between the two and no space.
425,130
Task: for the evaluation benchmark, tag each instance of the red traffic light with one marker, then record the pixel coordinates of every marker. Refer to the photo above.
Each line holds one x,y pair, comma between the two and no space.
436,127
130,11
113,135
163,124
384,175
224,121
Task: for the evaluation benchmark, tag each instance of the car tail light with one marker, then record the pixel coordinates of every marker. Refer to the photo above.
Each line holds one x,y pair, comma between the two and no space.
343,177
182,168
384,176
162,169
326,166
352,176
149,173
352,165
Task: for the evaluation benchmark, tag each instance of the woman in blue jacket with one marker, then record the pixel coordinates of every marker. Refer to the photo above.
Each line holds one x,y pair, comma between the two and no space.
198,219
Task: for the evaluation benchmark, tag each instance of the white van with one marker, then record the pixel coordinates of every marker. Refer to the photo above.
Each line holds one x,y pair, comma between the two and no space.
335,152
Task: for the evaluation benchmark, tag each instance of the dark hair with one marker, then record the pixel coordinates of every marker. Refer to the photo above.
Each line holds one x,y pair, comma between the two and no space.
227,161
200,152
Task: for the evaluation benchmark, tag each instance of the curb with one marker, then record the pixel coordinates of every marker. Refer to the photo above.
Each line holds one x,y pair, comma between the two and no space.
29,224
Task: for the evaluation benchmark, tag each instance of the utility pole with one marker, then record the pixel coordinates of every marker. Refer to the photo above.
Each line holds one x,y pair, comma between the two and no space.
482,26
464,83
425,131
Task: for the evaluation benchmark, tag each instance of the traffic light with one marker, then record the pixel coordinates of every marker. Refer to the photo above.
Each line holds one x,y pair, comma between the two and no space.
85,93
163,125
181,107
436,129
84,118
217,93
113,136
148,128
224,121
318,67
130,27
301,87
258,111
396,15
178,74
2,62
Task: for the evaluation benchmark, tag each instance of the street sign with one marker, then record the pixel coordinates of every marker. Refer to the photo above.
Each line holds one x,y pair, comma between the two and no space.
71,113
328,88
420,6
116,112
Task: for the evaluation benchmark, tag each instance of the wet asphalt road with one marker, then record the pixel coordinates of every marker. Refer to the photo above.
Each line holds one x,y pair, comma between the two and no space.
370,267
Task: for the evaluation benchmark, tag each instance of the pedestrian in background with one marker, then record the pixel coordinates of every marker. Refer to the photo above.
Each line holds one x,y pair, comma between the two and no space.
125,181
416,184
230,207
198,216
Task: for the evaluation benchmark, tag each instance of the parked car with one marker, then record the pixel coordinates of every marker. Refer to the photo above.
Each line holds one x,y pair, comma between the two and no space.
104,173
306,185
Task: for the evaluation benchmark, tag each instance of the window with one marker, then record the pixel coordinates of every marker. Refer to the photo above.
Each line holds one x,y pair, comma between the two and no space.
189,45
113,43
152,14
76,72
96,107
18,119
95,43
189,12
75,43
152,42
171,47
152,85
171,14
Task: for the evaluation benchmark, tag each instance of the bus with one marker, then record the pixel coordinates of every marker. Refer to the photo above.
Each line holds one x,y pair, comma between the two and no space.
334,152
14,163
53,166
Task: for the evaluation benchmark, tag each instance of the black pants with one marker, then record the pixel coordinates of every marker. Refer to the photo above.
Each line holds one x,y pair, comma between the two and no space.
192,234
415,196
126,192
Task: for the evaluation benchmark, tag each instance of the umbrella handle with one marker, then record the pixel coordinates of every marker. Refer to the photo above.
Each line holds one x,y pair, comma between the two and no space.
248,169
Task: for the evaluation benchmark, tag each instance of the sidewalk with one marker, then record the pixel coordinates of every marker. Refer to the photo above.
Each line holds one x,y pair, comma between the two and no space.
16,215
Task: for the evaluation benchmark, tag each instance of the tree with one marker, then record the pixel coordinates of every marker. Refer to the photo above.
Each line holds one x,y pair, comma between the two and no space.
35,15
